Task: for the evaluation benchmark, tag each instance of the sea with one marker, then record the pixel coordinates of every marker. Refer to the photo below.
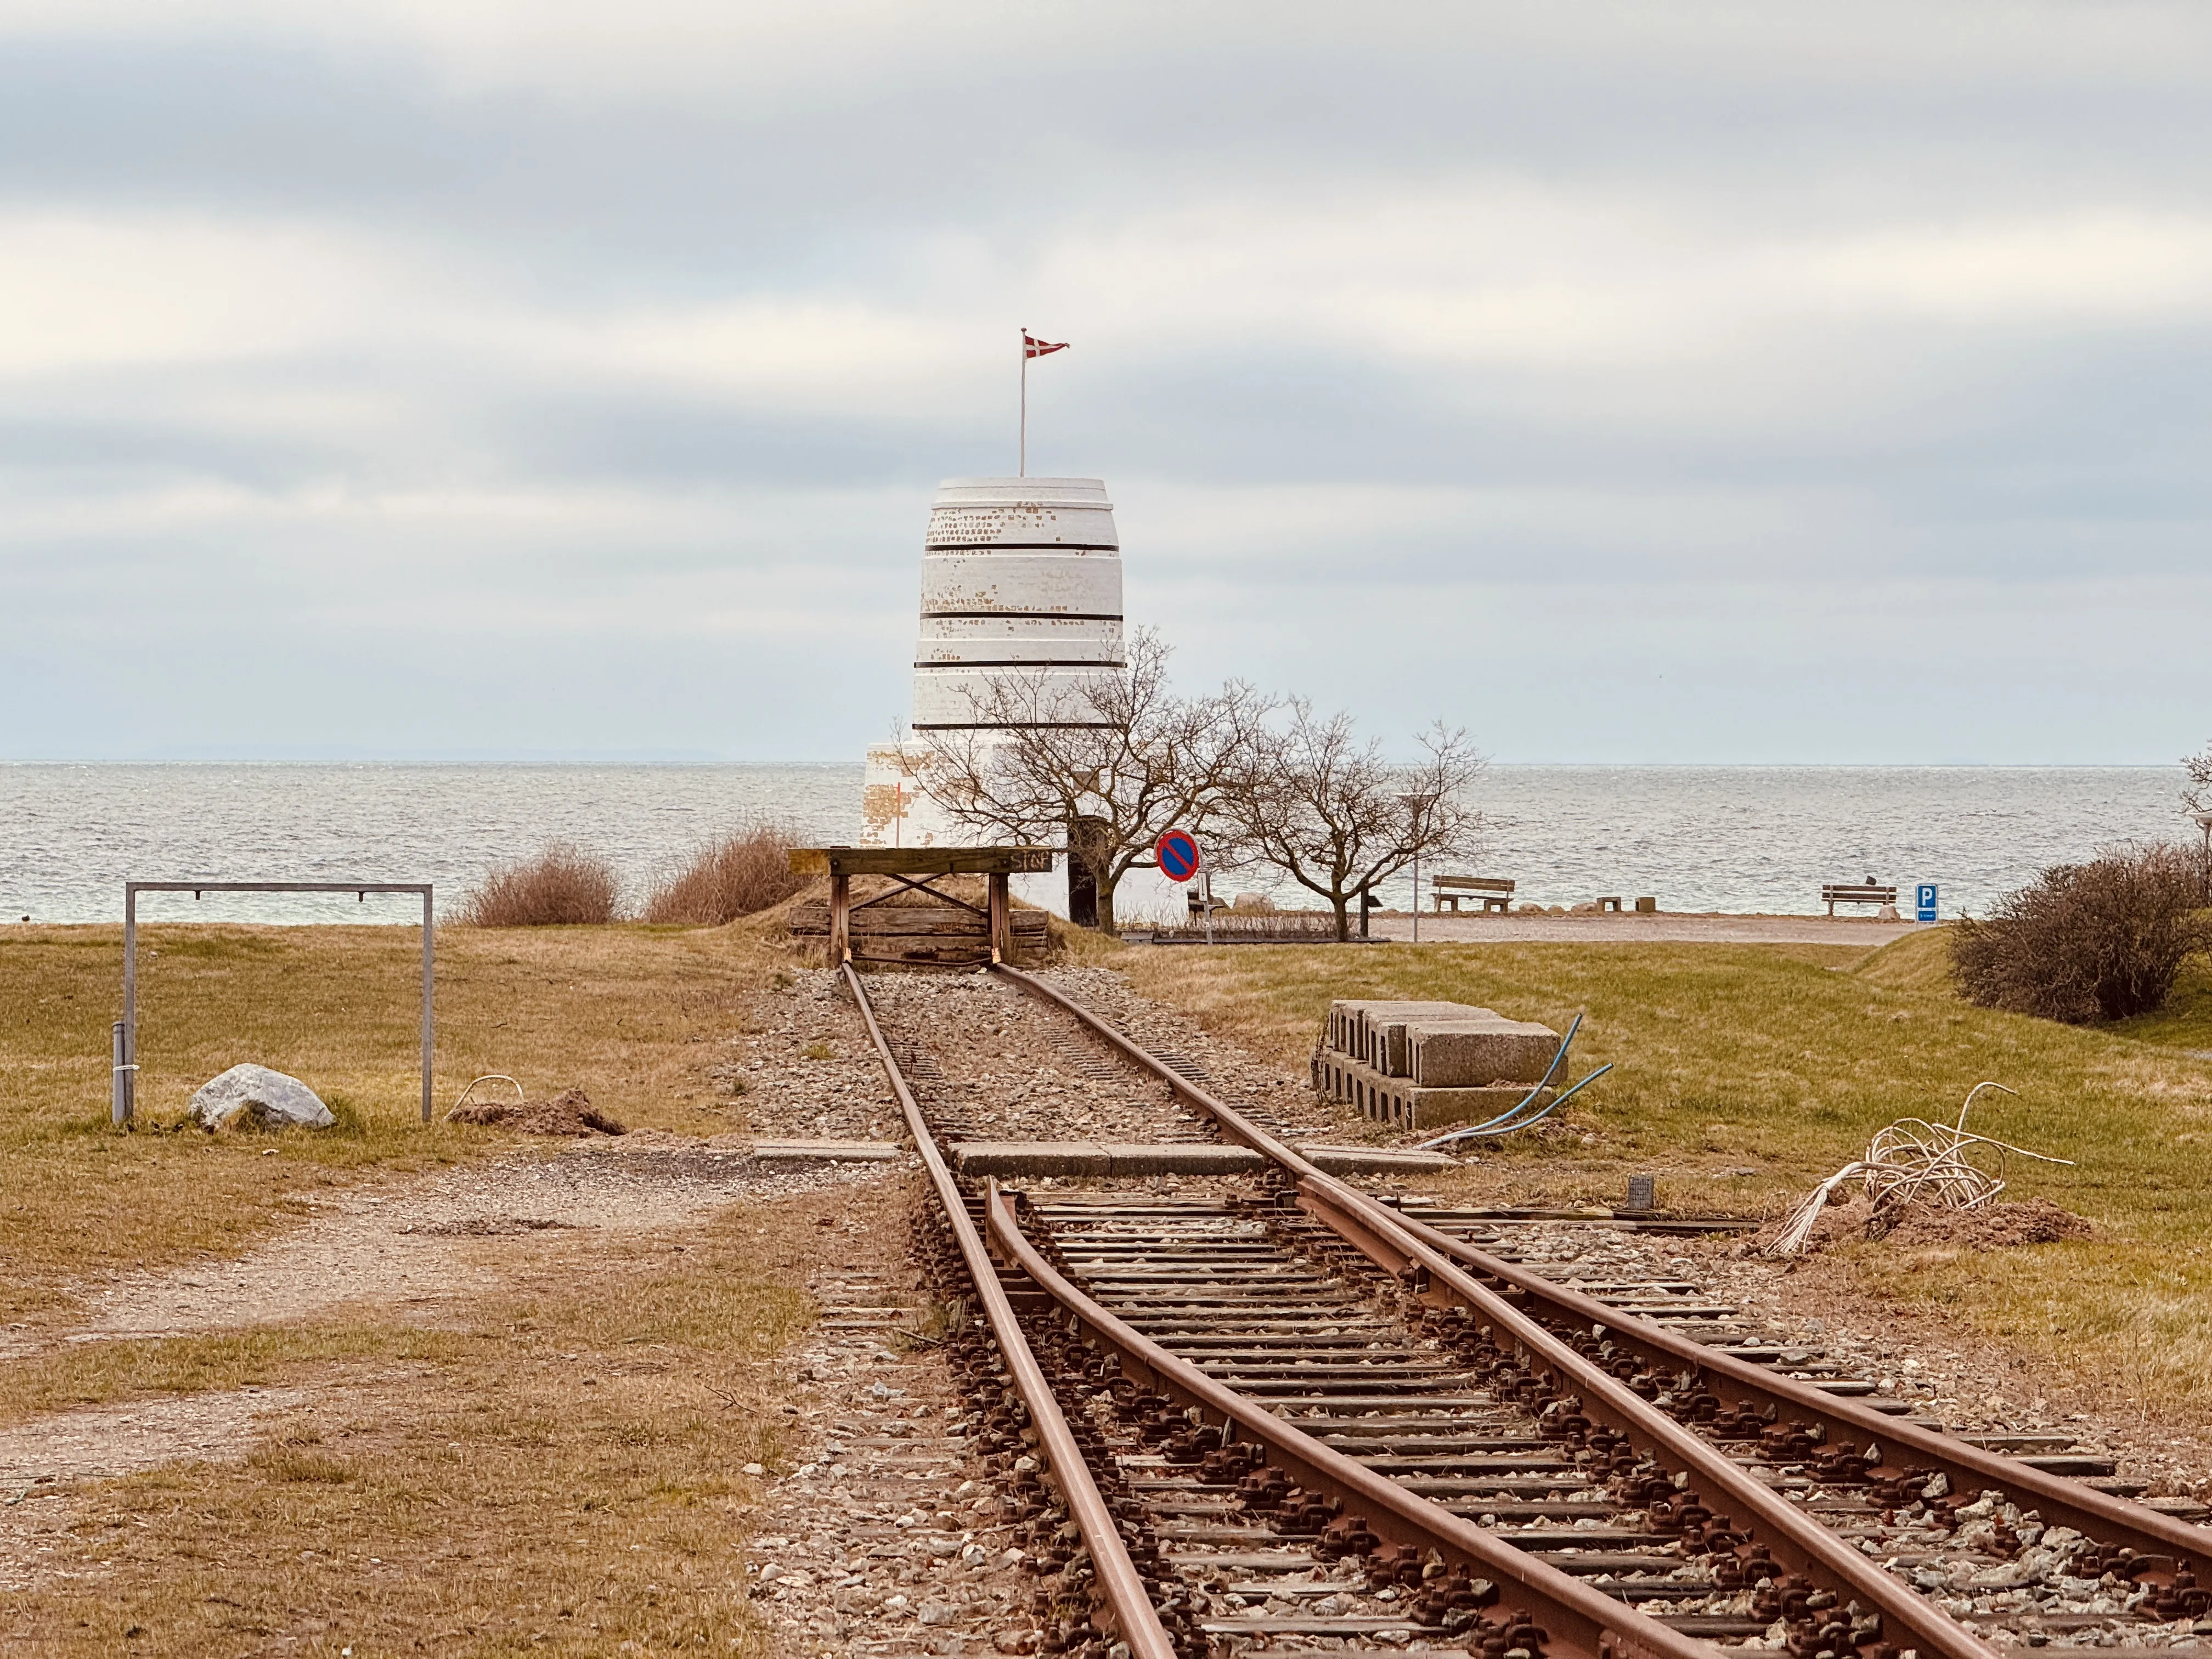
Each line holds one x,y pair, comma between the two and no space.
1732,839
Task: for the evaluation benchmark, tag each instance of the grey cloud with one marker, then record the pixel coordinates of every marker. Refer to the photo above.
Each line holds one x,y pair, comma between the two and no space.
1588,522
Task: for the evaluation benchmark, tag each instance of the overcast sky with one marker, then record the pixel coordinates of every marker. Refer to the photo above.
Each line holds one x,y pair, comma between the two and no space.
1725,383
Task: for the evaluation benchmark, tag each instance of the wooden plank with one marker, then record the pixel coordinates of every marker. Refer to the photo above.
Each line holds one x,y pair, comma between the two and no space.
840,919
916,919
1002,925
920,860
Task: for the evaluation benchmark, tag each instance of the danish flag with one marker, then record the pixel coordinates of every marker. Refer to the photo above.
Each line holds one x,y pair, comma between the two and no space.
1033,347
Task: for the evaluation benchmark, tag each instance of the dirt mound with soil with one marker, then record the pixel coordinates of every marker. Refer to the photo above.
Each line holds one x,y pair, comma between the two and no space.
1992,1227
567,1113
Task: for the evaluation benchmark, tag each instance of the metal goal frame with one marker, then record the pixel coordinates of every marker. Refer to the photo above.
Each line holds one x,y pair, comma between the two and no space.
123,1105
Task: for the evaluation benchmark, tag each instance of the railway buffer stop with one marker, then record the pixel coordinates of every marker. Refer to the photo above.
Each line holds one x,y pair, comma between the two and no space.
913,922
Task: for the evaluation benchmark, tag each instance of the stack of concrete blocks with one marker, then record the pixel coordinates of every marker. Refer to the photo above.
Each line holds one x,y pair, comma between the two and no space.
1418,1065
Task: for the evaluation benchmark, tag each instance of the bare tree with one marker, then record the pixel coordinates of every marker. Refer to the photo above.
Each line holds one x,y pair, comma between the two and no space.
1338,818
1110,763
2197,797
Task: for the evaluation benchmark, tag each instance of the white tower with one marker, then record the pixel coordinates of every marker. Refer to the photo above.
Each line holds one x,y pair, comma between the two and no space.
1019,577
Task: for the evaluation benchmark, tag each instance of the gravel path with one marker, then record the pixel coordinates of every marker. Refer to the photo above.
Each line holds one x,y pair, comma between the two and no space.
421,1248
881,1535
1862,931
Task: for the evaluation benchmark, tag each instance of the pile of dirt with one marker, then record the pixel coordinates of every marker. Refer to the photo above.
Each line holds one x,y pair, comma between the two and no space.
1845,1218
567,1113
1993,1226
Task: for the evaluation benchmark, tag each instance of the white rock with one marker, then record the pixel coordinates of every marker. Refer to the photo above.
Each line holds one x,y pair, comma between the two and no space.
272,1096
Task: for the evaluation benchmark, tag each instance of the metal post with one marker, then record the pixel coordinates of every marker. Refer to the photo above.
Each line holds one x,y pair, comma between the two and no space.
124,1095
1414,805
1206,877
126,1069
118,1109
1024,471
429,978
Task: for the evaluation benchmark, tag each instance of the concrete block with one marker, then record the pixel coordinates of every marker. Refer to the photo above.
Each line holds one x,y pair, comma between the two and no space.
1182,1158
1396,1100
1032,1157
1462,1053
1349,1028
1374,1033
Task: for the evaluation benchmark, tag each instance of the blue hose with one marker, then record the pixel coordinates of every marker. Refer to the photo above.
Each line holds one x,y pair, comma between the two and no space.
1518,1106
1486,1132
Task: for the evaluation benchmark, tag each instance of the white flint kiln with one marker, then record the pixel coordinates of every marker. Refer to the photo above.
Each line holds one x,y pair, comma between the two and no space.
1020,578
1021,582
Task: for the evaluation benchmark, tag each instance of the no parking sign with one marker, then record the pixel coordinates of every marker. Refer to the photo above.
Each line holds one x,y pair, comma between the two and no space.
1178,855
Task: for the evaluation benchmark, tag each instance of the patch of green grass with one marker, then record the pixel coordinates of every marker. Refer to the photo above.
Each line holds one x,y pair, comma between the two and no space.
2185,1022
1920,961
1780,1062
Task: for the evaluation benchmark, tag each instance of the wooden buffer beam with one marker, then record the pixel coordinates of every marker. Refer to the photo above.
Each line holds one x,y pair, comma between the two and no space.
948,931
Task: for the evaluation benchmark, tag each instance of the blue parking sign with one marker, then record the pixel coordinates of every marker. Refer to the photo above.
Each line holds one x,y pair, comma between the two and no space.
1923,901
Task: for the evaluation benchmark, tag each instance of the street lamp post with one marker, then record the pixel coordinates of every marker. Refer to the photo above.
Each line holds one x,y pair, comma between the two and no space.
1415,805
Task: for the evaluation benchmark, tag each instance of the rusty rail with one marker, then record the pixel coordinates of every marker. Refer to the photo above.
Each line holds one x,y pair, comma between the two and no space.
1589,1621
1127,1602
1378,1231
1735,1381
2060,1501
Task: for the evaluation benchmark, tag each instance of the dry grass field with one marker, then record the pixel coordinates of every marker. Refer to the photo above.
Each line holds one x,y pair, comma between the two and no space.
559,1473
548,1459
626,1013
1745,1073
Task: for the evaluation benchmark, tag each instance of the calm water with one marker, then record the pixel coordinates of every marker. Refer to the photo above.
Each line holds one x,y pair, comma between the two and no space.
1718,838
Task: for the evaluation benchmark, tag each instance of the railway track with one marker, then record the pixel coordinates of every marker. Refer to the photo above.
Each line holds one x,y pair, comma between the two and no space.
1277,1415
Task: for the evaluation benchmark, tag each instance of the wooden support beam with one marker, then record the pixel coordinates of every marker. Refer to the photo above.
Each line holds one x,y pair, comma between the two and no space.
841,920
920,860
1002,925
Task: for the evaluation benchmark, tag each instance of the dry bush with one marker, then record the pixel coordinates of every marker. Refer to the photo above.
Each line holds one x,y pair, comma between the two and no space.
563,886
743,871
2087,942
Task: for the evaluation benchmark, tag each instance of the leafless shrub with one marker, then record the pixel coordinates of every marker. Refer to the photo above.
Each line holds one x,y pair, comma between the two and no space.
563,886
2087,942
1330,812
746,870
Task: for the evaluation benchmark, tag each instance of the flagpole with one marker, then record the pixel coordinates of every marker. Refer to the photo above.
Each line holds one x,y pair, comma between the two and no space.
1025,401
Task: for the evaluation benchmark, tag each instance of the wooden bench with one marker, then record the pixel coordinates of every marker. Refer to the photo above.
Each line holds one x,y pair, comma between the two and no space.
1855,892
1496,895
